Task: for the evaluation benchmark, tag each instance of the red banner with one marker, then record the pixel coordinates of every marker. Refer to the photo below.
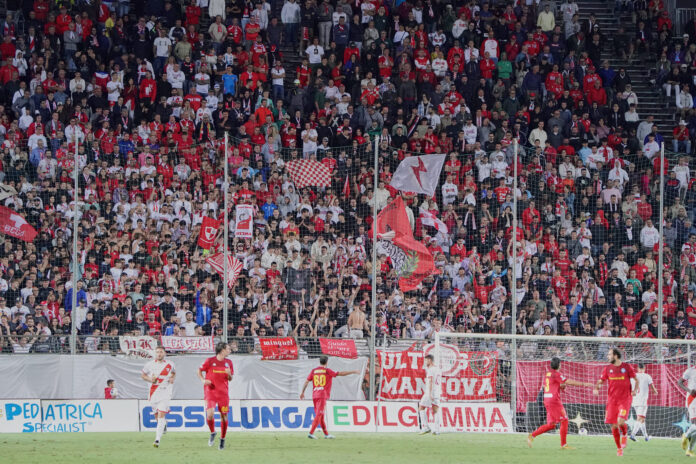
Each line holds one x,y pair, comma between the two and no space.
342,348
530,374
209,229
16,226
273,349
466,375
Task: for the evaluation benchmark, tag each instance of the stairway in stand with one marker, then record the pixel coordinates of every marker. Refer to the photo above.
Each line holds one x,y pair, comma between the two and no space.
650,99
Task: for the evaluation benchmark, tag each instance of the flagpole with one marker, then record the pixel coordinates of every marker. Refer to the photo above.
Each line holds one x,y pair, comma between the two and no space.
73,327
513,297
374,269
225,234
661,243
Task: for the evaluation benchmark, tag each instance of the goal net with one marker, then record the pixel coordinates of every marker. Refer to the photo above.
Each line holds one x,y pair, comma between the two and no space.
508,371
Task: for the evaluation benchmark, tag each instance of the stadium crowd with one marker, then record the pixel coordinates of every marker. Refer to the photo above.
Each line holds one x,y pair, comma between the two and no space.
146,91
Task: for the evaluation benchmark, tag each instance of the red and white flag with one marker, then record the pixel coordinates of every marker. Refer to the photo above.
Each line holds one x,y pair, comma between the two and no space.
418,174
234,267
16,226
346,187
309,173
429,219
244,224
209,230
411,259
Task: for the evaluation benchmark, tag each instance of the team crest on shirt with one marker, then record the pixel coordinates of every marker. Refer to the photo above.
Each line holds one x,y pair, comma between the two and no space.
623,371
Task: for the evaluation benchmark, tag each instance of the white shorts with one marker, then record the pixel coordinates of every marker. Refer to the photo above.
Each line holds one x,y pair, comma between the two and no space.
641,410
427,402
160,401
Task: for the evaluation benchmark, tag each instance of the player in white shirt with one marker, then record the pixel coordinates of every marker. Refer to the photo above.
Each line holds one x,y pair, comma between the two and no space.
640,401
160,374
431,397
688,383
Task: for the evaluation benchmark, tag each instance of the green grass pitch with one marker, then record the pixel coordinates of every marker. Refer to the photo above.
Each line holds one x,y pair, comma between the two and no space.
350,448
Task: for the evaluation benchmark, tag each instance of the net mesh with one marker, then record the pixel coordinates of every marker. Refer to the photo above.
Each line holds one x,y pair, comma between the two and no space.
519,379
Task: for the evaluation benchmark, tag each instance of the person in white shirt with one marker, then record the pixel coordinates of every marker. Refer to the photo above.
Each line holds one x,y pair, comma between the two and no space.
315,52
470,132
640,401
449,191
160,374
439,65
619,175
649,235
683,173
651,148
688,383
176,77
114,87
431,397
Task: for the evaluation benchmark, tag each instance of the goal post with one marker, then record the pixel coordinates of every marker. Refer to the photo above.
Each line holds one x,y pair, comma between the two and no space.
518,377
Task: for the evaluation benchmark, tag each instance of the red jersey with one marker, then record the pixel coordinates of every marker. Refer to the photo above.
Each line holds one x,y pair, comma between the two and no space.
619,378
215,371
552,387
321,378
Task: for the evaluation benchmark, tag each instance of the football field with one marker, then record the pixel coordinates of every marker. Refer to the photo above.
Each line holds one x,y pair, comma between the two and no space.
351,448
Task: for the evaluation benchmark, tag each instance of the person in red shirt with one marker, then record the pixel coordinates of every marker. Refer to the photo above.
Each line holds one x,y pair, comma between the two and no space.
321,378
553,383
619,396
110,392
218,372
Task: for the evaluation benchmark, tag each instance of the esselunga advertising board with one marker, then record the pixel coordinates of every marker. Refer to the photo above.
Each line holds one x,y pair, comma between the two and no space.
73,416
342,416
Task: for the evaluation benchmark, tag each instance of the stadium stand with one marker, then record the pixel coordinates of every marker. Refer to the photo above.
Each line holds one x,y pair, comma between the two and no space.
148,90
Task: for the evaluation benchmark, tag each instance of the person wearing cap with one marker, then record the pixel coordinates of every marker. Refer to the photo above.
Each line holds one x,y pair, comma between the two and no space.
681,139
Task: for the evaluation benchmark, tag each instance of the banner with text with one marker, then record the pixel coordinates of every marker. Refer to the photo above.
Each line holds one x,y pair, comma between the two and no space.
273,349
138,346
341,348
188,344
466,375
244,224
342,416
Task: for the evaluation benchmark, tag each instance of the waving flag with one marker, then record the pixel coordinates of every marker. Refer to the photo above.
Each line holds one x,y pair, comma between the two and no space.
429,219
16,226
309,173
418,174
234,267
410,258
209,229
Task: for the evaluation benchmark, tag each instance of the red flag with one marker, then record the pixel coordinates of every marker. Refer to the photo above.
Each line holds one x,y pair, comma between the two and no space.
346,188
16,226
306,173
411,259
234,267
339,347
273,349
209,229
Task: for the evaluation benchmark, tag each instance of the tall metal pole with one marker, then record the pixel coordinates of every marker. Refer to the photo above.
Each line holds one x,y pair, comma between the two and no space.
513,289
373,323
73,326
225,230
660,253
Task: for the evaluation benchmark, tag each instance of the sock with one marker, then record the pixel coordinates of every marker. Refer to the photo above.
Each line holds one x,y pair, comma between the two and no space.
211,424
564,432
617,436
223,428
436,421
160,428
624,429
323,425
644,429
543,429
423,418
636,428
315,423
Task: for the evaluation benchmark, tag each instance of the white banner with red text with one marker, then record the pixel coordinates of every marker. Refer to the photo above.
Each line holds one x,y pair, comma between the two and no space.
138,346
188,344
